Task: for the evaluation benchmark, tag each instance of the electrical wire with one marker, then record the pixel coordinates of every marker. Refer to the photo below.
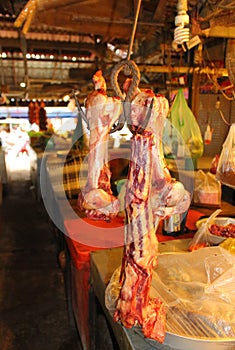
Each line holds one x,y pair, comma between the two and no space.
213,79
217,9
227,7
223,118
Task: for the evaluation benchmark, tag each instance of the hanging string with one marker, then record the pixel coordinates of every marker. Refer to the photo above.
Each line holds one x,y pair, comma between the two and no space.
133,30
127,65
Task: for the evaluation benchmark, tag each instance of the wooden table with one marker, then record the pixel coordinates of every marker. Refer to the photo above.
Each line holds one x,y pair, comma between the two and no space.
227,209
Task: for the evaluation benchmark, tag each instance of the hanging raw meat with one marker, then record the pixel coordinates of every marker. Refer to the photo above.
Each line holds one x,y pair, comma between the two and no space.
168,196
31,114
151,196
134,305
42,117
101,111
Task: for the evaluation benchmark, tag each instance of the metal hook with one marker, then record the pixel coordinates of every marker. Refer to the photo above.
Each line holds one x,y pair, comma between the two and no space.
126,100
80,111
123,118
119,125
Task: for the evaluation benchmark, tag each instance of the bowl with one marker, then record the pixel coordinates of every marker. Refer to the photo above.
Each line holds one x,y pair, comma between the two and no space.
221,221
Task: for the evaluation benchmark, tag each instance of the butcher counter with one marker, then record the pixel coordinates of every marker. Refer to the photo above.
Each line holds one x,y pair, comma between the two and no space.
88,263
89,269
103,264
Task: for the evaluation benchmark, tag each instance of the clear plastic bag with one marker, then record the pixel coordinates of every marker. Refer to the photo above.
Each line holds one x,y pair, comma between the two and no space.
198,290
207,189
226,166
203,237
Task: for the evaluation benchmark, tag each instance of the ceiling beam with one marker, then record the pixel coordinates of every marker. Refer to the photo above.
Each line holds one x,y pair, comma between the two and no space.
160,9
158,69
182,69
220,32
45,5
51,46
213,30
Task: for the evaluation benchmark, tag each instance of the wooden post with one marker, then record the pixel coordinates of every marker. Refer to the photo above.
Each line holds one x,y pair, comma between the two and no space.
1,190
195,92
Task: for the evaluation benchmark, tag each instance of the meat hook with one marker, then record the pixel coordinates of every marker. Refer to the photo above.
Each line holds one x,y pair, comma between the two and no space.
126,99
119,125
80,111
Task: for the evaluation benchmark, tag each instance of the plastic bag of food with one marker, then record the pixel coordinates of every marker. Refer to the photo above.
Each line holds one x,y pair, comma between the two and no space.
214,164
207,190
185,128
226,166
198,291
203,237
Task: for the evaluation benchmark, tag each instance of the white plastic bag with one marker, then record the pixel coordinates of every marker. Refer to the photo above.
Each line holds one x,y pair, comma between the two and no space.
207,189
226,166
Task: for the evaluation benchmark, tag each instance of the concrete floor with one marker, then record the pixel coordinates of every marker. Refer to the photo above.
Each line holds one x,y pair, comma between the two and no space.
33,309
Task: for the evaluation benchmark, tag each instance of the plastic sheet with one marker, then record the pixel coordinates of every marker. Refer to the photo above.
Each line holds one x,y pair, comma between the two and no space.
198,290
226,166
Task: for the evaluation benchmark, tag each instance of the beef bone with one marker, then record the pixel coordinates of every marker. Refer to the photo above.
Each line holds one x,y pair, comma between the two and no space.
102,112
134,306
151,195
168,196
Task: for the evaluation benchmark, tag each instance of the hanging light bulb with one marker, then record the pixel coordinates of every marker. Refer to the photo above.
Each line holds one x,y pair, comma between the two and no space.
217,103
181,32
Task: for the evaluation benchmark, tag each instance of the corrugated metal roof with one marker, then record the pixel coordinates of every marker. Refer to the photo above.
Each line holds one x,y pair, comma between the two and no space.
67,40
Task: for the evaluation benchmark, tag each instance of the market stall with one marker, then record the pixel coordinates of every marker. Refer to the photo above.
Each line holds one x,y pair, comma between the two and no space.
80,191
93,249
91,267
122,208
132,217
